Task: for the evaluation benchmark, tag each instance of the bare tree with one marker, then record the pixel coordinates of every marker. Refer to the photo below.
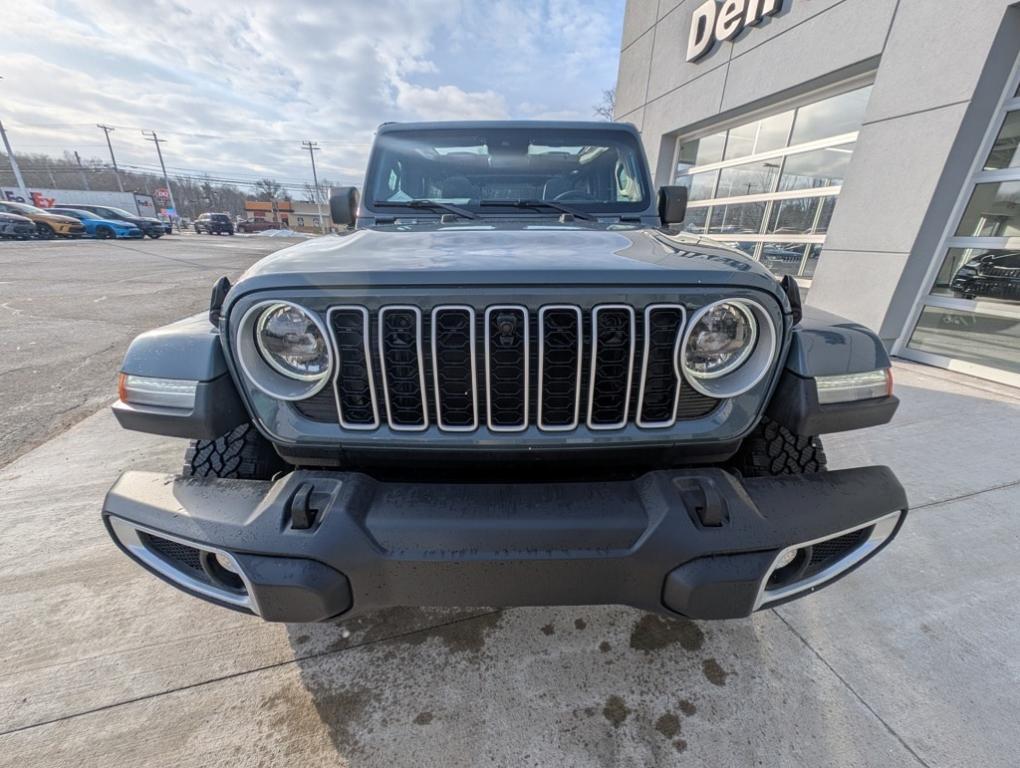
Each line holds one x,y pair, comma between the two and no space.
606,109
269,189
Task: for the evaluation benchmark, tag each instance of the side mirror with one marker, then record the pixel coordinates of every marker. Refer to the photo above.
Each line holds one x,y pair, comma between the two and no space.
343,206
672,204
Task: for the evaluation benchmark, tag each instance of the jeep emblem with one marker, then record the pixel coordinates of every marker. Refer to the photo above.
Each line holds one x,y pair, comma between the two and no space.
712,21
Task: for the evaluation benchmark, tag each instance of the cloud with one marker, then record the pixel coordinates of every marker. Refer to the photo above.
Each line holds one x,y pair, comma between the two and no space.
235,88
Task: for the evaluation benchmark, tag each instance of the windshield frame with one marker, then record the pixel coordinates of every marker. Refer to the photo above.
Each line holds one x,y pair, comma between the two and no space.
594,133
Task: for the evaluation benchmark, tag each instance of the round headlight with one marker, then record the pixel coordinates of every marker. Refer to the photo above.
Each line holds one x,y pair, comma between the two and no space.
719,342
728,348
291,341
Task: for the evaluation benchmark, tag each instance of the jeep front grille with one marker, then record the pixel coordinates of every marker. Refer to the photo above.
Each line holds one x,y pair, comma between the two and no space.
506,367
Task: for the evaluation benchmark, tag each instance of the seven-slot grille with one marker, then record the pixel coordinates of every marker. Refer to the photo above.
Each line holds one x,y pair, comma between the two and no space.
507,367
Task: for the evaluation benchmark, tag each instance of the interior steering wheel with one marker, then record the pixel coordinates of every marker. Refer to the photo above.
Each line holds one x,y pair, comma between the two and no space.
574,194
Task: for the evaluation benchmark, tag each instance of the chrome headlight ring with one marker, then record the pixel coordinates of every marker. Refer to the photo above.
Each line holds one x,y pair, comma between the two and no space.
753,364
262,372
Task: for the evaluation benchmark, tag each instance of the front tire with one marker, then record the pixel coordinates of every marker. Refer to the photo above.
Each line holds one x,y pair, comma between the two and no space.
242,453
44,232
104,233
774,450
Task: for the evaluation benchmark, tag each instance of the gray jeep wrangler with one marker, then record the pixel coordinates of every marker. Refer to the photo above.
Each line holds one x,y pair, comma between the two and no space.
517,382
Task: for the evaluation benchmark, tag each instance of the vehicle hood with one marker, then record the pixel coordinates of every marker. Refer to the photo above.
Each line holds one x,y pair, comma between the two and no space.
501,254
14,218
56,217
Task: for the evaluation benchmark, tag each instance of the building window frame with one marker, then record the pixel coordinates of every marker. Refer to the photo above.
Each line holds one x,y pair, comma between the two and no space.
1009,102
773,195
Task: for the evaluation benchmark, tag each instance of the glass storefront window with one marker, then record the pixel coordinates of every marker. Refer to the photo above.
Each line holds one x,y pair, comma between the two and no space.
695,220
751,179
820,168
745,218
993,211
701,151
969,336
740,171
747,247
980,273
801,216
700,186
831,117
783,258
760,136
1006,150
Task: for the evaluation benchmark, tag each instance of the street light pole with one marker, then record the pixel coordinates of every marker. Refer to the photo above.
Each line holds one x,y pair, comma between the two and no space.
151,136
116,172
312,148
14,162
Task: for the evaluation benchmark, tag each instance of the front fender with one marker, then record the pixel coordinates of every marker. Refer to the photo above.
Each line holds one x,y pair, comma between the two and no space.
823,344
188,350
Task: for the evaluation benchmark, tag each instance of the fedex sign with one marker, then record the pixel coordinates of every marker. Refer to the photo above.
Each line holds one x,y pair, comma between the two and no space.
714,21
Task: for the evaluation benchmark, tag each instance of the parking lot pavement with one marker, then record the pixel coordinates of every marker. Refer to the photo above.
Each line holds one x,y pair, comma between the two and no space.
68,309
911,661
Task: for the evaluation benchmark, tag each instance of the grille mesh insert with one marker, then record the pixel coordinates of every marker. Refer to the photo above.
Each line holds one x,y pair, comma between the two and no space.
353,382
453,361
399,334
180,555
507,373
561,359
612,362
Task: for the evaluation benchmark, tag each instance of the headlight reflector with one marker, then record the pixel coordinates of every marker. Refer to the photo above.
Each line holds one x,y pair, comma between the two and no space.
720,341
291,342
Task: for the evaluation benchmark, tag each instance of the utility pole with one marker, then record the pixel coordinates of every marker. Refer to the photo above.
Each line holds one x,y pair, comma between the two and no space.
81,170
14,163
151,136
312,148
116,172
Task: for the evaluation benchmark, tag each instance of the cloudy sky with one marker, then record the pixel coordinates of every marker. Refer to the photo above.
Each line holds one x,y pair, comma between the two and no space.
235,87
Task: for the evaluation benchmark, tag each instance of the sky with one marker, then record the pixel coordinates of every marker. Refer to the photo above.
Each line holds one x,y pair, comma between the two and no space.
235,87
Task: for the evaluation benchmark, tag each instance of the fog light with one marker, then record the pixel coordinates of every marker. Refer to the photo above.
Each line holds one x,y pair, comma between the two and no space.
164,393
785,559
226,563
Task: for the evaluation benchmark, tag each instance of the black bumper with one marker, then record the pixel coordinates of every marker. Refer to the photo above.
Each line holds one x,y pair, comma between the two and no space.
700,543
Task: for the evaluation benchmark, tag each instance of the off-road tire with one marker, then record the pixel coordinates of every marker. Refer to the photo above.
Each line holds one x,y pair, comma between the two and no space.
774,450
242,453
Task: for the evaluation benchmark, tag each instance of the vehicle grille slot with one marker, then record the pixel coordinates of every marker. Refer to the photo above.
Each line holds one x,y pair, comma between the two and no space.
453,368
560,344
506,367
353,386
178,554
659,391
403,367
612,366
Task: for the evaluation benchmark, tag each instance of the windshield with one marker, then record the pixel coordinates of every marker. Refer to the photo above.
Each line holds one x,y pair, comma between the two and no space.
75,213
120,212
479,168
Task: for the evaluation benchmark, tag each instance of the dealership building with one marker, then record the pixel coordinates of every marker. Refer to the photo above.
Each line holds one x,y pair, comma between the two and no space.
871,148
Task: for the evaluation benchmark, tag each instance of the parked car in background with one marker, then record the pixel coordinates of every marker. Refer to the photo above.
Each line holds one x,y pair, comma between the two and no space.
214,224
102,229
47,225
149,225
258,225
15,227
992,275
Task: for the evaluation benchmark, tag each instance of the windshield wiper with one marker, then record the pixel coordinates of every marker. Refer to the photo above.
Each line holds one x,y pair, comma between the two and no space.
432,205
577,214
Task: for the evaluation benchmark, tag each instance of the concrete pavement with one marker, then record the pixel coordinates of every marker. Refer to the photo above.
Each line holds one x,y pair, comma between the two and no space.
910,661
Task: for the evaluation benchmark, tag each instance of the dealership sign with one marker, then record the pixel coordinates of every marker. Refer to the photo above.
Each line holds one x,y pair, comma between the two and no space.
714,21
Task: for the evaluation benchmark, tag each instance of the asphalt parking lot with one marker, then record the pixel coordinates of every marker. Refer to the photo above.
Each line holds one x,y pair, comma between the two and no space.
68,309
912,661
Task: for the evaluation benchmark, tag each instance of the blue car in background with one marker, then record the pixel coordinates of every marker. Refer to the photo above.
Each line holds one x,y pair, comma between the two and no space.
100,228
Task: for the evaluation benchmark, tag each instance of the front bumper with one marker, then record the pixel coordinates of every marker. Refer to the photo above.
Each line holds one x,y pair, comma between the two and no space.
700,543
